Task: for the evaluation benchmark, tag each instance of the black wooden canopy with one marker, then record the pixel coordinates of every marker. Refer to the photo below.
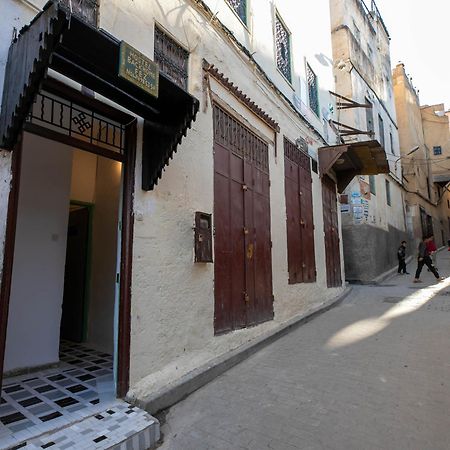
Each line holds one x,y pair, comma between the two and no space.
61,41
349,160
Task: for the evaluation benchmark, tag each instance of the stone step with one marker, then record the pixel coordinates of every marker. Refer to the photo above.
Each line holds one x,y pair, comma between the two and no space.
120,427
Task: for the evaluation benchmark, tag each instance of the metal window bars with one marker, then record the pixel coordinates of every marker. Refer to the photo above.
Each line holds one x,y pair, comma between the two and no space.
283,46
240,7
171,58
313,89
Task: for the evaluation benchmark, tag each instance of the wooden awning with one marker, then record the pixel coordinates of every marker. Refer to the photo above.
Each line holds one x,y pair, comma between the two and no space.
349,160
61,41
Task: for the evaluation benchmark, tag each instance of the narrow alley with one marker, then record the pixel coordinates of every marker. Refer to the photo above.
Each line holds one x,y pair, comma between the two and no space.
372,373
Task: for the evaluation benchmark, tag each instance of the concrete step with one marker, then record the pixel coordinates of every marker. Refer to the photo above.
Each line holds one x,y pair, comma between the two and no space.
119,427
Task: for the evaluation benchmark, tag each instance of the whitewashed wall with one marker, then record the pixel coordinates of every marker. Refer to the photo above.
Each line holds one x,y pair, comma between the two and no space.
173,298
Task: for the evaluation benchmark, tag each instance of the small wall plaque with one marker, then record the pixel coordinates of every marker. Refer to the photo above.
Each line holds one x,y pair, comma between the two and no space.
138,69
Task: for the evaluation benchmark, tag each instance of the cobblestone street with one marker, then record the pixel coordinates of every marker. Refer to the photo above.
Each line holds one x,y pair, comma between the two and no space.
372,373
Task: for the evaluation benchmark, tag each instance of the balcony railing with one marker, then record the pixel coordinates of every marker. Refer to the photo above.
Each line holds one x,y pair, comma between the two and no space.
85,9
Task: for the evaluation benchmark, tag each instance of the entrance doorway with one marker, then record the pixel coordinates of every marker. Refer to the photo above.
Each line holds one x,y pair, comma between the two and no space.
64,278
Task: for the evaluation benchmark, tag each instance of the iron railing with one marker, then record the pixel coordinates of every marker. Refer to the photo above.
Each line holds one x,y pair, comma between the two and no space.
65,117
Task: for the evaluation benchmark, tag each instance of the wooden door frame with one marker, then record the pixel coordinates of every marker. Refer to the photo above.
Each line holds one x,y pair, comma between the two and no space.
124,324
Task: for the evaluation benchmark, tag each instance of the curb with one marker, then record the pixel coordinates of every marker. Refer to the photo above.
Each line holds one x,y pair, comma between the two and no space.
388,274
189,383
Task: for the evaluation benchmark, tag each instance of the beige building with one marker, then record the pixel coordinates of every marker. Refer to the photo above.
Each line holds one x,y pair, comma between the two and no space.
373,217
425,145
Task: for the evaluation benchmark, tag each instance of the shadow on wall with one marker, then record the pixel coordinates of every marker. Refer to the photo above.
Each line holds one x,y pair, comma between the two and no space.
370,251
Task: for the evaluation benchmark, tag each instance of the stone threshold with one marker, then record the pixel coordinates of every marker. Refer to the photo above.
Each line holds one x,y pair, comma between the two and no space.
189,383
119,427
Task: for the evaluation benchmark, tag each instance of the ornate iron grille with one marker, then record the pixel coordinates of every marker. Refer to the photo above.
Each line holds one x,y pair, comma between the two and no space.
295,154
283,44
240,7
86,9
172,58
64,117
313,90
240,140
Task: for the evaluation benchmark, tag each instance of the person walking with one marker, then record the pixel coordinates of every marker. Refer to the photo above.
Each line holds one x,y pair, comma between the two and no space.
431,247
401,255
423,258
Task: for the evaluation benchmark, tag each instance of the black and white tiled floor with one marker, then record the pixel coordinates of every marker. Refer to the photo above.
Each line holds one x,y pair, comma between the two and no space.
81,388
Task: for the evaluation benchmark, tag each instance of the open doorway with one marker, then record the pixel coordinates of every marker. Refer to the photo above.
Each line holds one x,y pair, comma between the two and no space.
64,290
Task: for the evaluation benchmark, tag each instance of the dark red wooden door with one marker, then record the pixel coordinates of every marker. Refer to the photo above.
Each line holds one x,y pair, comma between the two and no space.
331,231
299,215
242,245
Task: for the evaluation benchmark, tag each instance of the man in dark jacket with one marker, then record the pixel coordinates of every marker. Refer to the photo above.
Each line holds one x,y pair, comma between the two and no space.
423,258
401,255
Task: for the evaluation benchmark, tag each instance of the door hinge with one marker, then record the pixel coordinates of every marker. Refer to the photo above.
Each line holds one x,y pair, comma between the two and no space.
117,277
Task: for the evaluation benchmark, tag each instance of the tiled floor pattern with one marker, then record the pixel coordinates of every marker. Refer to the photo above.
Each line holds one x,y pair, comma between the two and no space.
36,403
120,427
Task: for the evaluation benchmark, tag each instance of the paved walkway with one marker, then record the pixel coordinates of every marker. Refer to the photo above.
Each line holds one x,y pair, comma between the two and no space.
372,373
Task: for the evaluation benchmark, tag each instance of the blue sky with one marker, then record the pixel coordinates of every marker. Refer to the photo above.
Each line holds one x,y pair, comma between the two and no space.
420,38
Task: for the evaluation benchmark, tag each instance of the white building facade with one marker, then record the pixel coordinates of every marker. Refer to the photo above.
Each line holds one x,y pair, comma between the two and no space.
374,221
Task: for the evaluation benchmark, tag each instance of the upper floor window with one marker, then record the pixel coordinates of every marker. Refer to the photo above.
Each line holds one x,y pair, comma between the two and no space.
381,129
388,192
283,44
313,89
372,184
391,140
437,150
240,7
86,9
171,58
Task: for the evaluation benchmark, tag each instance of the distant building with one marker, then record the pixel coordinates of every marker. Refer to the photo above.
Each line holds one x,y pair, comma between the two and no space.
373,218
425,143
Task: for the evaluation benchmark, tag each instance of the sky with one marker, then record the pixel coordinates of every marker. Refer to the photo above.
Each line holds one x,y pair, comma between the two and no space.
420,38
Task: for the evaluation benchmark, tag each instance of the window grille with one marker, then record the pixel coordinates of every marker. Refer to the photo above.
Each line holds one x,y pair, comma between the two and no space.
86,9
171,58
283,44
240,7
313,91
437,150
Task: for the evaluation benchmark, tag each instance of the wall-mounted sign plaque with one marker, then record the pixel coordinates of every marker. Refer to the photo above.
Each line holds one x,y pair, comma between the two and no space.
138,69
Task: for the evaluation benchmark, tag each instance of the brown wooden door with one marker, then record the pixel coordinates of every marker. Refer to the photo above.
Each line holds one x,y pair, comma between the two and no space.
299,215
242,246
331,231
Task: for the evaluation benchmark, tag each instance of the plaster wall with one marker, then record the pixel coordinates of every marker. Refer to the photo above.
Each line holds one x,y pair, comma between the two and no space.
104,255
173,298
39,257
